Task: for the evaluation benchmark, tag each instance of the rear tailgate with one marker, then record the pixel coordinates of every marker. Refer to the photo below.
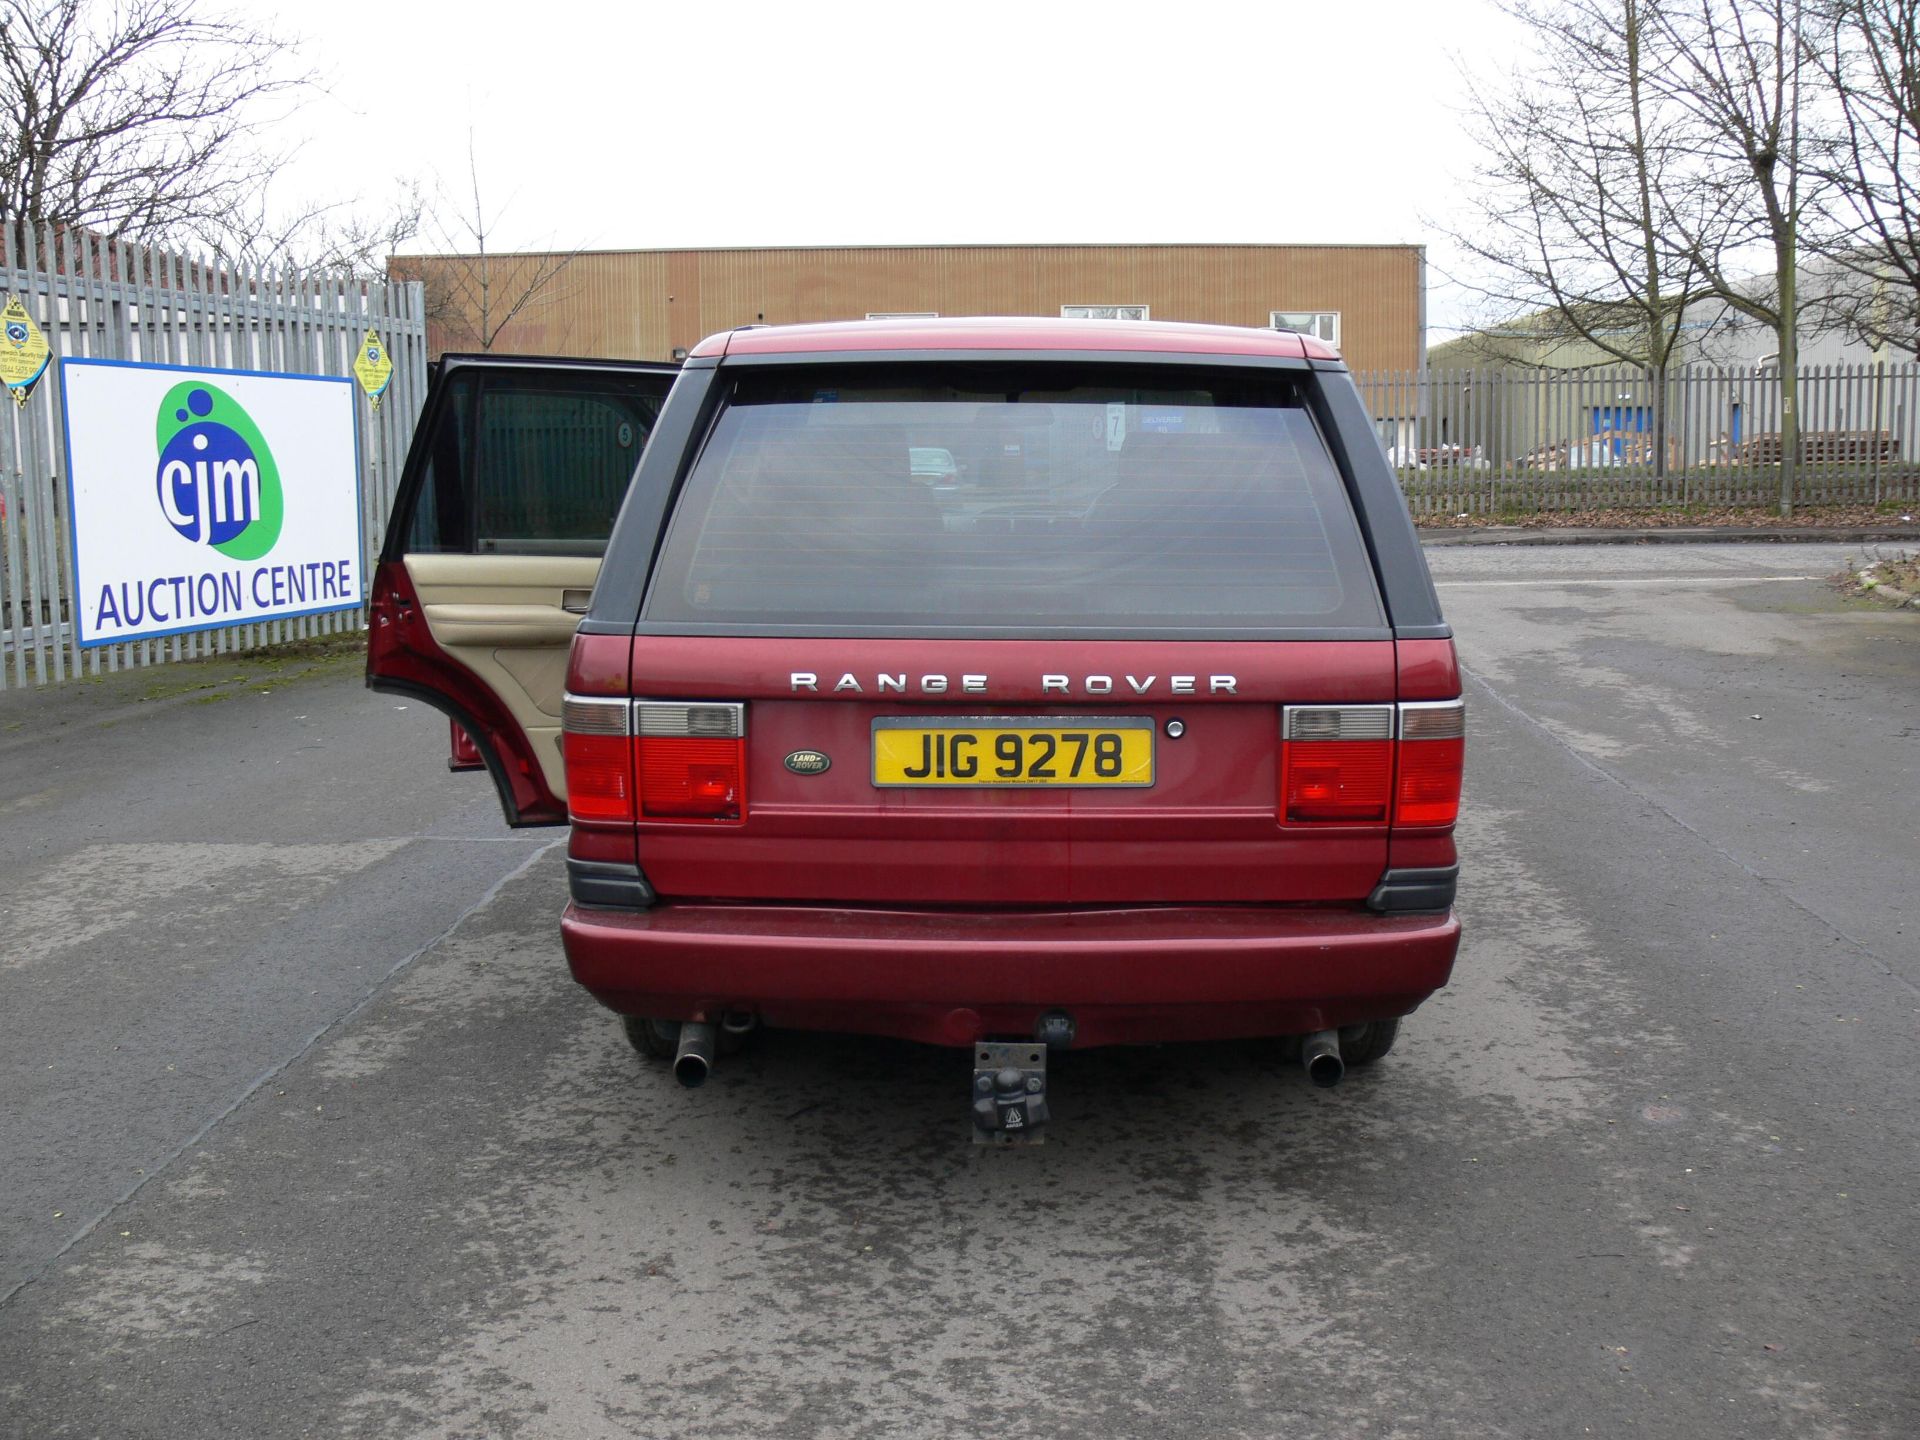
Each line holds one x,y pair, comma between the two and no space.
1208,829
1158,555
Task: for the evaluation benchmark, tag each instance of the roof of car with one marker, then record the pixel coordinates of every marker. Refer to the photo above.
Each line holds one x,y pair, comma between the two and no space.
1016,332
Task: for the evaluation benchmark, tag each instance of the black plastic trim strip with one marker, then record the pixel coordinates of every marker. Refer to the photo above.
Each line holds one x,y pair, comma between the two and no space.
591,626
1400,891
639,528
608,885
1413,606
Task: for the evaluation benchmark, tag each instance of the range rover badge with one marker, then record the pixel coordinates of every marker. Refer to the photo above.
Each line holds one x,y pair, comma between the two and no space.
808,762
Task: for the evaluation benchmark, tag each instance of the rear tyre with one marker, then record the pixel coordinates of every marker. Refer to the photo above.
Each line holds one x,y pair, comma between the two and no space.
1364,1044
655,1039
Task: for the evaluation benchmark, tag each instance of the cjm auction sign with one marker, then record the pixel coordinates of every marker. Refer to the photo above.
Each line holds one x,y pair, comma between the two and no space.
203,498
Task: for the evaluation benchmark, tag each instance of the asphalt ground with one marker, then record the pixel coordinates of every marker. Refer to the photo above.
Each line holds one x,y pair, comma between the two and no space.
306,1132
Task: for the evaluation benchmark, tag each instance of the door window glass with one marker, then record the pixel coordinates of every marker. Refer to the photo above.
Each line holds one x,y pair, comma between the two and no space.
438,523
551,465
531,464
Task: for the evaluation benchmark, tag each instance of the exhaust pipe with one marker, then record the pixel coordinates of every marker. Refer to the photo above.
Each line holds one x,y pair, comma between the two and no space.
740,1022
695,1057
1320,1054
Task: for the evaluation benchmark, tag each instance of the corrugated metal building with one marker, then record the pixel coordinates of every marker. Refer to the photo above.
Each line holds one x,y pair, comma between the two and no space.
1370,300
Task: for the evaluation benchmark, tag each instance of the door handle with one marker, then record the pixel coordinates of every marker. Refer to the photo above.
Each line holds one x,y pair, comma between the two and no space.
575,602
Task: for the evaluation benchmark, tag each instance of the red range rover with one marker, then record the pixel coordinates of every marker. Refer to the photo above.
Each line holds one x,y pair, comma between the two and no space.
1007,684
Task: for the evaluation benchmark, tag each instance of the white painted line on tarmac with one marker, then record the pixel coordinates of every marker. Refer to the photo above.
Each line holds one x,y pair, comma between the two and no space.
463,839
1545,584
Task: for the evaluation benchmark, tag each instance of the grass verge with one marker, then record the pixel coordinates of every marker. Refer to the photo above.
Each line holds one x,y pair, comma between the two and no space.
1892,514
1891,579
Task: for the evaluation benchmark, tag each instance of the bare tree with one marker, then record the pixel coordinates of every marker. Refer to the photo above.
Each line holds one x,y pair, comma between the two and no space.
1733,70
473,292
138,119
1870,64
1567,213
1660,153
348,239
1581,163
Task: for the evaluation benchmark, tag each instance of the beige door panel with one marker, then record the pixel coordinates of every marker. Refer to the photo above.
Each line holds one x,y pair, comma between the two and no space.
505,618
536,626
538,672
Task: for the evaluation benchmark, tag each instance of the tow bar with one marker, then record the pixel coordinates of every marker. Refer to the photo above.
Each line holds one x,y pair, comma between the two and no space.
1009,1093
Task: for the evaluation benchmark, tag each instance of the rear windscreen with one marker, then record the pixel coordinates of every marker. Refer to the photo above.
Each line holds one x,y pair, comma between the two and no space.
997,499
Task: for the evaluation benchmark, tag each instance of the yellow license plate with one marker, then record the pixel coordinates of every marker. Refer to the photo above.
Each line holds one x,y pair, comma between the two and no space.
1012,751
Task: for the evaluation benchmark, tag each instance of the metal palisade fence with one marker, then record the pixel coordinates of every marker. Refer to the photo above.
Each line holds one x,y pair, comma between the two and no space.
1504,442
99,299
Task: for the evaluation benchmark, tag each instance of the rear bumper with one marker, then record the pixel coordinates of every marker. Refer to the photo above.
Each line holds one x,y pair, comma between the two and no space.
953,977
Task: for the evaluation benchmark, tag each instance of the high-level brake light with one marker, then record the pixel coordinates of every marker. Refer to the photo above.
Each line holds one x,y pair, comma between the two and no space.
1365,764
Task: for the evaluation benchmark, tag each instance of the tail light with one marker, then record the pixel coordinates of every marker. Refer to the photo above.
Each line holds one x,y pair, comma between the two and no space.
631,760
691,760
1337,763
1432,754
1361,764
597,747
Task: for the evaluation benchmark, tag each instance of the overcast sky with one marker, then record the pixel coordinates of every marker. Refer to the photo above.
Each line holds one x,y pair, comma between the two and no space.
650,125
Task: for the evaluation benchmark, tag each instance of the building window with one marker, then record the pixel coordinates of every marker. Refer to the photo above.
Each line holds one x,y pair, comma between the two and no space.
903,314
1321,324
1103,312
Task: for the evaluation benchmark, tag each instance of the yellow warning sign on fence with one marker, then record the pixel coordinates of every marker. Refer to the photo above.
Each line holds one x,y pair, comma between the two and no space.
373,367
23,350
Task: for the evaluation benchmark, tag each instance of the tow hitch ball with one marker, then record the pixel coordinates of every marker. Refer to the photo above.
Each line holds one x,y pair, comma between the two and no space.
1009,1093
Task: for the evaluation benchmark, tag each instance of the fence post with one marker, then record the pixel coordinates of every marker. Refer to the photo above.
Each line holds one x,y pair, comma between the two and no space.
1879,369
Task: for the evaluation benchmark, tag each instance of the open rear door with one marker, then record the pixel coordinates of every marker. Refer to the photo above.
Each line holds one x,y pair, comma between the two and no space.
516,472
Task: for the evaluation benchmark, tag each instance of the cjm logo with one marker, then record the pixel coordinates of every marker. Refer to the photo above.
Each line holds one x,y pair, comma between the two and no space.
214,498
217,482
17,334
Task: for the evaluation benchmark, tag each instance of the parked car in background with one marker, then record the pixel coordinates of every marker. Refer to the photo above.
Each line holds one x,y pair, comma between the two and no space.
933,466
